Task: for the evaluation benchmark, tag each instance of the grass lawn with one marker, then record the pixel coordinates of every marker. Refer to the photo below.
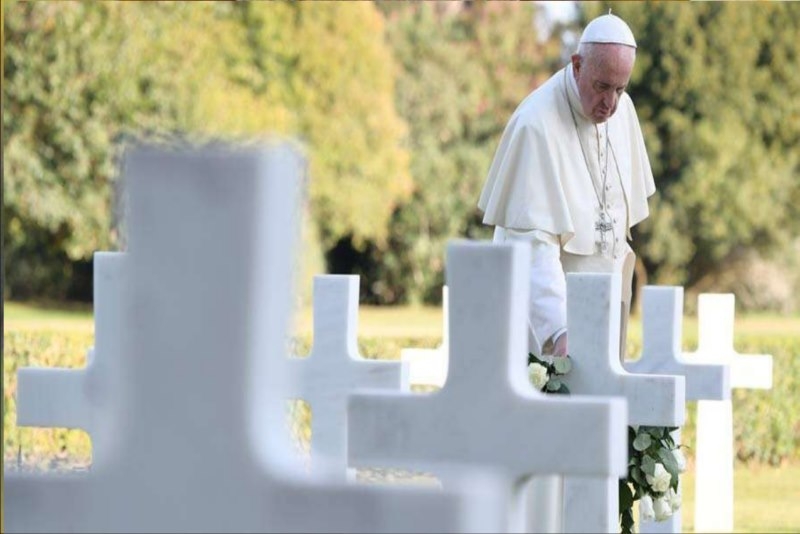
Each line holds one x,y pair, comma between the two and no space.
378,321
767,499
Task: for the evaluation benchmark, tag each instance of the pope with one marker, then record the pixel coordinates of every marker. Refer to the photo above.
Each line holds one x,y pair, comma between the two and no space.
571,177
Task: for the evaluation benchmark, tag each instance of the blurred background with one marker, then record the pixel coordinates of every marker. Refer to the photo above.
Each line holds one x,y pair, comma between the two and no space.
400,106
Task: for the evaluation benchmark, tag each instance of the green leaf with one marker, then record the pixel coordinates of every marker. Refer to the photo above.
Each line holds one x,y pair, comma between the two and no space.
553,384
625,495
642,442
533,359
627,520
562,365
638,476
563,390
649,465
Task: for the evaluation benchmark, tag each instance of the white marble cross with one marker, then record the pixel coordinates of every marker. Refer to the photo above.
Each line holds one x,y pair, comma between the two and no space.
593,320
488,414
200,443
334,369
714,448
79,398
662,320
429,366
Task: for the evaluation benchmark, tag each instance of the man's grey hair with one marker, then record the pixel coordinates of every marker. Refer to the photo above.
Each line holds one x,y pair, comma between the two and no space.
587,50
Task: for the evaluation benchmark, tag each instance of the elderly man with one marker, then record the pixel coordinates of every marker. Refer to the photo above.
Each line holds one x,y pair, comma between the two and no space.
571,177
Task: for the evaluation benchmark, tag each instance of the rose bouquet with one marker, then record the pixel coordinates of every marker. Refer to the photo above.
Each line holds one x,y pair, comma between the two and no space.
655,460
654,465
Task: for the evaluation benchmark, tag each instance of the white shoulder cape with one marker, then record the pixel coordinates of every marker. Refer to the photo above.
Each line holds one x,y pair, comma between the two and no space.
539,180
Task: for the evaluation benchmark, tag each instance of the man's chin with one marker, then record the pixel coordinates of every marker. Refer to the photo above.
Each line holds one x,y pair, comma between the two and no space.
600,118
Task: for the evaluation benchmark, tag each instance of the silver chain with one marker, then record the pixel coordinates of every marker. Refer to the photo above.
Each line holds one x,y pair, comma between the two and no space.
603,225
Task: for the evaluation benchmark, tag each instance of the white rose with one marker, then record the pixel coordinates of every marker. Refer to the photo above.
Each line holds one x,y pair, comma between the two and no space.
660,479
537,373
646,508
679,459
674,500
662,509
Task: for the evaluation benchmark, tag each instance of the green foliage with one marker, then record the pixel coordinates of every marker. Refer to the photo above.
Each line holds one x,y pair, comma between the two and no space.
64,101
765,429
462,72
715,85
78,81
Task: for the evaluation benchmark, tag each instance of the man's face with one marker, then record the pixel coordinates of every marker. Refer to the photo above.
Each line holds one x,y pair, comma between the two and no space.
602,77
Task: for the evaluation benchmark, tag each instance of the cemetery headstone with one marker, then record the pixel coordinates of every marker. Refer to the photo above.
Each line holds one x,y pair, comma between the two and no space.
591,504
334,369
428,367
488,414
714,447
662,320
198,415
82,398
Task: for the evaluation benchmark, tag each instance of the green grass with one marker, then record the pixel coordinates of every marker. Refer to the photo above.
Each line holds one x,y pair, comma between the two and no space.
766,499
381,321
28,316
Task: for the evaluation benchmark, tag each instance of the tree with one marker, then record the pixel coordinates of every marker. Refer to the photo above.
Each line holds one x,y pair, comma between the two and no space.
63,105
464,68
78,81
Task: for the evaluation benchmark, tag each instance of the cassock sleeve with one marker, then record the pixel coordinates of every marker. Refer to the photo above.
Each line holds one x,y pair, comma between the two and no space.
547,315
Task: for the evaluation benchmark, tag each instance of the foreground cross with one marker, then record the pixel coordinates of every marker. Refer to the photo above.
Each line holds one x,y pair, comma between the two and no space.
593,318
662,319
334,369
428,367
198,419
488,414
714,456
82,398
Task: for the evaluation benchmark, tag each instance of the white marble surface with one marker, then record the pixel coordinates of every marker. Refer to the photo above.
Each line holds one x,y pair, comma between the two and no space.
429,366
593,320
199,417
488,414
714,448
662,320
82,398
334,369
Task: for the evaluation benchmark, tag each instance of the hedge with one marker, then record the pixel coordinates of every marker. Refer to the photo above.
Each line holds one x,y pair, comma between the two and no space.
766,423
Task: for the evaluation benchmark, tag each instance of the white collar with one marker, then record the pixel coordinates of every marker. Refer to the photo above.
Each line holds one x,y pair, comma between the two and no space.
574,95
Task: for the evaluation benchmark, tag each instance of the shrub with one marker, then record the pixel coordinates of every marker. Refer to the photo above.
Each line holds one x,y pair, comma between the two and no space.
766,427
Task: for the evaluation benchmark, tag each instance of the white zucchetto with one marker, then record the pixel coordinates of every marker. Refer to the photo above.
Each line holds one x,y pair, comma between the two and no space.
608,29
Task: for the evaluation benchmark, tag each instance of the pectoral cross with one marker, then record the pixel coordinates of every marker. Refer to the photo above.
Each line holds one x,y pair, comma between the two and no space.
603,226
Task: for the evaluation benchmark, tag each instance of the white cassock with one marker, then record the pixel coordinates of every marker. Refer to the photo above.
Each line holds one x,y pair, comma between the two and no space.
547,189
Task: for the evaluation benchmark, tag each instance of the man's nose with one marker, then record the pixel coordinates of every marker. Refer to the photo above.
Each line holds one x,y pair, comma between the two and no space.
610,100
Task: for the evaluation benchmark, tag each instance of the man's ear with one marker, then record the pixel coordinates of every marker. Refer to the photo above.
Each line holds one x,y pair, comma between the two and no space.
576,63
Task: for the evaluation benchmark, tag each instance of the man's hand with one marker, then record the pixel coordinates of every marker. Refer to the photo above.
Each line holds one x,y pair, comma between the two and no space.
560,346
